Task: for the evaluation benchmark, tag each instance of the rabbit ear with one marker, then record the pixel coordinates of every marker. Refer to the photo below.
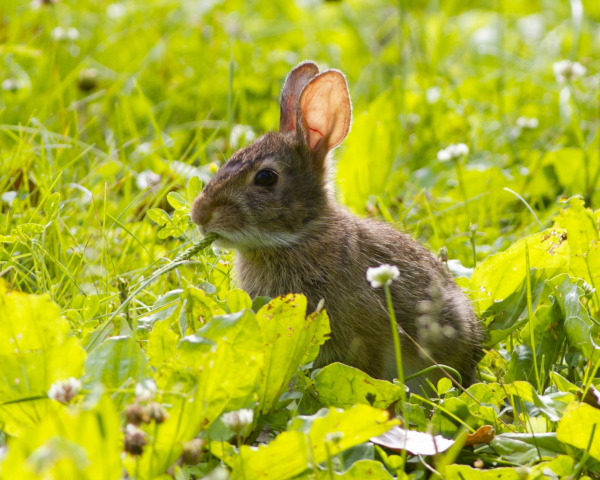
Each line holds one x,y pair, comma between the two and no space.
324,111
292,88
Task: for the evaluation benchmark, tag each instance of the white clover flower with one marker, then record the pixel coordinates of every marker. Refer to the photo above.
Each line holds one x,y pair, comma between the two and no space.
9,197
72,34
116,10
64,391
452,151
10,85
145,390
59,34
567,71
147,179
433,94
238,420
382,275
527,122
241,134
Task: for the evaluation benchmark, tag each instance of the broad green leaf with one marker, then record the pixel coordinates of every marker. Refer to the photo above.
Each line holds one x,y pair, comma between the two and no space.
37,348
162,344
464,472
309,441
500,275
170,232
91,305
194,188
159,216
74,443
342,386
362,469
217,369
568,163
198,309
446,418
163,307
177,201
577,324
238,300
584,240
577,425
562,384
116,362
526,448
552,404
561,466
366,469
289,337
510,314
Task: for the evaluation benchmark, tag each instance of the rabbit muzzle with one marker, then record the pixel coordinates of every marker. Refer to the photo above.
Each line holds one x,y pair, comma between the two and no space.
201,212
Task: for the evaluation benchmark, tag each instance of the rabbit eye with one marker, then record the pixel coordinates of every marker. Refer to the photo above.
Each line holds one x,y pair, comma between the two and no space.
266,178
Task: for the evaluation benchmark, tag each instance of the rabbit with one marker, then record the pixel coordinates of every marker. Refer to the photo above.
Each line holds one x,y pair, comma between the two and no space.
274,203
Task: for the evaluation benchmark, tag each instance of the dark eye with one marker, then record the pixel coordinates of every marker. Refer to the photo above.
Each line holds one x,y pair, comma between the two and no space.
266,178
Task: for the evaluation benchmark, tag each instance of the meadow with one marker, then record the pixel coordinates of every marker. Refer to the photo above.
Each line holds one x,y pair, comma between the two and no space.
125,355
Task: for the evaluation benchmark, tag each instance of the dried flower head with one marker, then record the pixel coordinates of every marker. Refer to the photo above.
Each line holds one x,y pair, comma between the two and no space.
136,414
135,440
64,391
238,420
192,451
567,71
382,275
157,412
452,152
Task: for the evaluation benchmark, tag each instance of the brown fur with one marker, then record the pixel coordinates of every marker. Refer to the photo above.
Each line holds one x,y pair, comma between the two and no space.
295,237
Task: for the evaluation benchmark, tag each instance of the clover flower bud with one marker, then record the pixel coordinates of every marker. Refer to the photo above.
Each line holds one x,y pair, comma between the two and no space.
238,420
567,71
64,391
382,275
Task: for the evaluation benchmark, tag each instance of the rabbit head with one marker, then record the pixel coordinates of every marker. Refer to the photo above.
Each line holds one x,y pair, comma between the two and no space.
275,191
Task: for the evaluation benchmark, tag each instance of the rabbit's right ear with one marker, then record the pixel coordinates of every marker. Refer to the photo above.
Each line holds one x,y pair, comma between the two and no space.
324,112
295,82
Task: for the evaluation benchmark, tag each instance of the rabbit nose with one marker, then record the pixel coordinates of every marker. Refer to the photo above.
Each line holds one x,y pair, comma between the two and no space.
200,213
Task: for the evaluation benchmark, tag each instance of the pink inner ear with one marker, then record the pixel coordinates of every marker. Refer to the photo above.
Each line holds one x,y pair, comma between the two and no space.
325,110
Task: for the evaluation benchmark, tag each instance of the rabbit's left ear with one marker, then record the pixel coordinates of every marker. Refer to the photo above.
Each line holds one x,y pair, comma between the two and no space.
324,111
292,88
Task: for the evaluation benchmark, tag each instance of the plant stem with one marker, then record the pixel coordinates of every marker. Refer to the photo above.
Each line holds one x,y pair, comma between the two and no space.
529,316
398,354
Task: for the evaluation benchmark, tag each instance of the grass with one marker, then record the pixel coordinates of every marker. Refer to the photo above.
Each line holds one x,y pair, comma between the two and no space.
108,130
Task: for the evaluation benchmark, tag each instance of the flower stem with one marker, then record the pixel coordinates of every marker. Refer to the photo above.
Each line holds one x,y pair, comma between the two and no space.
398,354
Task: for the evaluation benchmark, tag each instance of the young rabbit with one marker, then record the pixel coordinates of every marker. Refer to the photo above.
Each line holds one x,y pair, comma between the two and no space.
273,202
